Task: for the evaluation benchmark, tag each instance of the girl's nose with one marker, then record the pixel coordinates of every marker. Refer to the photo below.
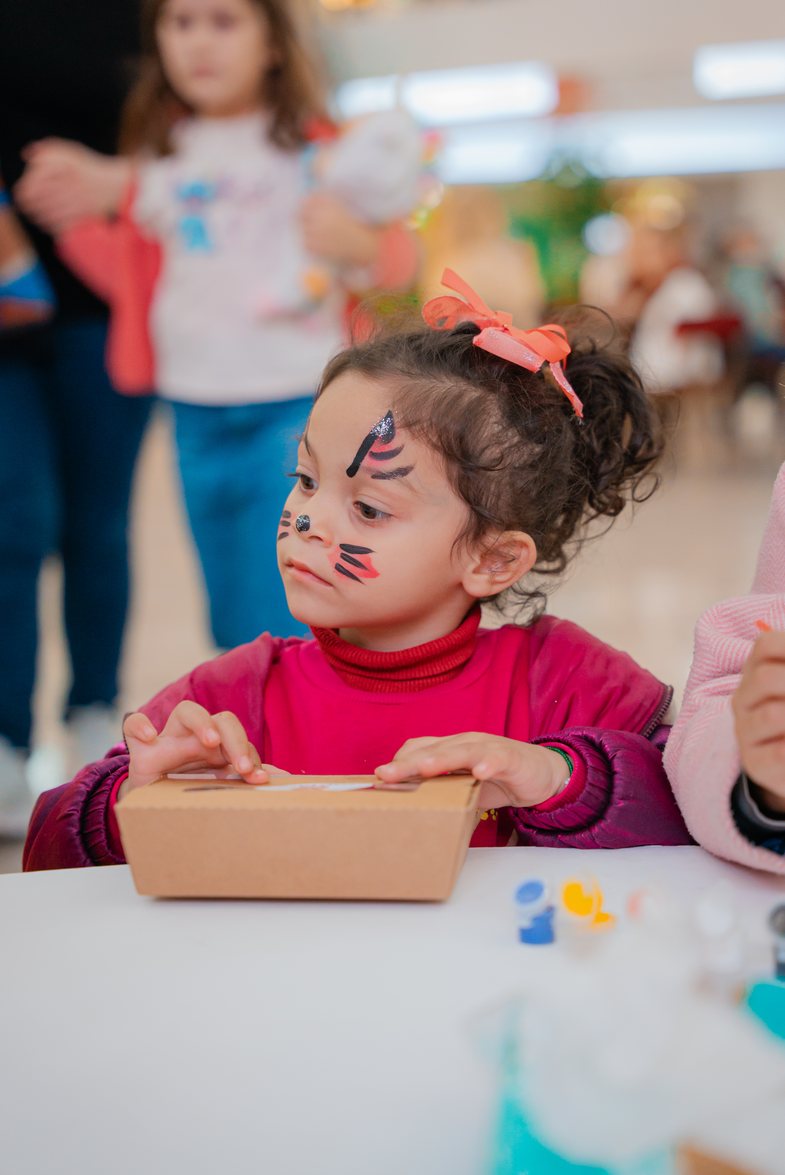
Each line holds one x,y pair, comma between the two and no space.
312,525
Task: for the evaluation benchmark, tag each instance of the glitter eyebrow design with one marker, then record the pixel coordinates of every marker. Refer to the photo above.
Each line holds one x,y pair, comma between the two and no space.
363,568
379,445
285,524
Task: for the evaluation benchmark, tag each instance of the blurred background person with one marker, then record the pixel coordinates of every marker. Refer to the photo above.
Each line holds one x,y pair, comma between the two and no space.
68,441
755,287
664,290
206,264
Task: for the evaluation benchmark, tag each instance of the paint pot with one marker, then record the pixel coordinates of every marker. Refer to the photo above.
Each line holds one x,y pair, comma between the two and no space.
535,913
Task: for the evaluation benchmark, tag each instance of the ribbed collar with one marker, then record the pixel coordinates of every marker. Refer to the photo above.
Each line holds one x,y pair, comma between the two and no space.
405,669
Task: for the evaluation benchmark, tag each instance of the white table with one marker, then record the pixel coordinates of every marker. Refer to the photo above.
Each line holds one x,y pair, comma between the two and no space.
141,1037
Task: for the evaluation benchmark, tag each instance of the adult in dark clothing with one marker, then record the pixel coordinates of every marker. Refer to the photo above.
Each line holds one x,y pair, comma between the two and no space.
64,71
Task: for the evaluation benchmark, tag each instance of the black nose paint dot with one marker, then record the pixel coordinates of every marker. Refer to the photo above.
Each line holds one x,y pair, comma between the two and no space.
302,523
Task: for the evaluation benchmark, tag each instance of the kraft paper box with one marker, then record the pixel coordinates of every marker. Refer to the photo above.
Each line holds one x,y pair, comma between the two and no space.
311,837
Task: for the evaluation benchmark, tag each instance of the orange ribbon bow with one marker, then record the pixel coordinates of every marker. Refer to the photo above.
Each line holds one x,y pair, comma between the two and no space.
528,348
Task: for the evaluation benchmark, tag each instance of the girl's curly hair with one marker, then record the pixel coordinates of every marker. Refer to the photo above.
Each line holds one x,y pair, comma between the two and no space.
513,449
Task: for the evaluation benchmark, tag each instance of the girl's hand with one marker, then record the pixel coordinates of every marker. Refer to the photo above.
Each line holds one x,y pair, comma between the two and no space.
191,740
331,232
512,773
65,182
759,710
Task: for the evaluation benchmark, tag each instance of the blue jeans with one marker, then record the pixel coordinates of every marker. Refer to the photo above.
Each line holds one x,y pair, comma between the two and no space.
68,445
233,461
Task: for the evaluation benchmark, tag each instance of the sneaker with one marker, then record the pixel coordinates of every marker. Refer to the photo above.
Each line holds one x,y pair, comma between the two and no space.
16,798
92,731
46,768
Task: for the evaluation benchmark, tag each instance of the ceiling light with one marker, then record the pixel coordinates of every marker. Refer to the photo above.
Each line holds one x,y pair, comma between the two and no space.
450,96
744,70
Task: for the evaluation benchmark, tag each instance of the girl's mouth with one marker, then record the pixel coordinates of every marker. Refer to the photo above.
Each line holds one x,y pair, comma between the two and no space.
304,573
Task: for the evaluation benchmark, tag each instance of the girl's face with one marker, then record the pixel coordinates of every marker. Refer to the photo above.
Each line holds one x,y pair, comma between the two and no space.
215,54
366,541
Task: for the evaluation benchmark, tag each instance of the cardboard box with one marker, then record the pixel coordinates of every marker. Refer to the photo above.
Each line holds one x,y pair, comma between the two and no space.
309,837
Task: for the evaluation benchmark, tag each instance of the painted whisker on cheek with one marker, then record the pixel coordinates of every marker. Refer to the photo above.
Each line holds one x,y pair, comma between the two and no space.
284,524
359,567
348,574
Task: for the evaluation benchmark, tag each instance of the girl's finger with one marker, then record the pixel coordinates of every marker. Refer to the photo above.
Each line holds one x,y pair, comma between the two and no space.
441,760
140,727
235,743
418,745
764,723
191,718
765,684
769,646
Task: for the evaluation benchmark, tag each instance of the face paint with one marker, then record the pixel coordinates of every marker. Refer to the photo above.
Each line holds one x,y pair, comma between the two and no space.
391,474
285,524
379,445
354,563
302,523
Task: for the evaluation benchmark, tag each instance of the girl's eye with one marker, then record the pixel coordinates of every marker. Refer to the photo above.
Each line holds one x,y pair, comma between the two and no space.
370,513
306,483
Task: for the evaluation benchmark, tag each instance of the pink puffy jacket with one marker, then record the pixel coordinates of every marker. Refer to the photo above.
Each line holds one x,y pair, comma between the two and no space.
702,757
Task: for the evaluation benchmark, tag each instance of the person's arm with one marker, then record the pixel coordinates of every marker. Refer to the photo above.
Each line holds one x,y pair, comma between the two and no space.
757,822
580,788
71,826
618,795
703,758
368,257
65,182
74,825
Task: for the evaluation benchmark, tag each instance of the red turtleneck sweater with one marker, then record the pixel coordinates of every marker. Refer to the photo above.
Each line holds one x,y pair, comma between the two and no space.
407,669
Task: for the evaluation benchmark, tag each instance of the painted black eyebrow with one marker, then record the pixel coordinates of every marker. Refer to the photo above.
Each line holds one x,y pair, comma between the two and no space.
393,474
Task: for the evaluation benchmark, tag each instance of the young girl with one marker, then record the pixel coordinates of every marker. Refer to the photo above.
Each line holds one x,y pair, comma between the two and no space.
205,266
726,758
438,468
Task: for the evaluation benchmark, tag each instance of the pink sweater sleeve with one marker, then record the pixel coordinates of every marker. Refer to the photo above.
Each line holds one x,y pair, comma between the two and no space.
702,757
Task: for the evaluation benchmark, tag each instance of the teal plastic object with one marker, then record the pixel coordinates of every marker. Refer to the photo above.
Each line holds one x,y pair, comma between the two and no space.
518,1151
766,1001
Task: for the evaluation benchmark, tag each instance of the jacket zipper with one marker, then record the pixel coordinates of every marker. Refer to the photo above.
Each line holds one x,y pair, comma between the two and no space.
659,713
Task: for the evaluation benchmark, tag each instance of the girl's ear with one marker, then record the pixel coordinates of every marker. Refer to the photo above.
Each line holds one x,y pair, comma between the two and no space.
499,562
